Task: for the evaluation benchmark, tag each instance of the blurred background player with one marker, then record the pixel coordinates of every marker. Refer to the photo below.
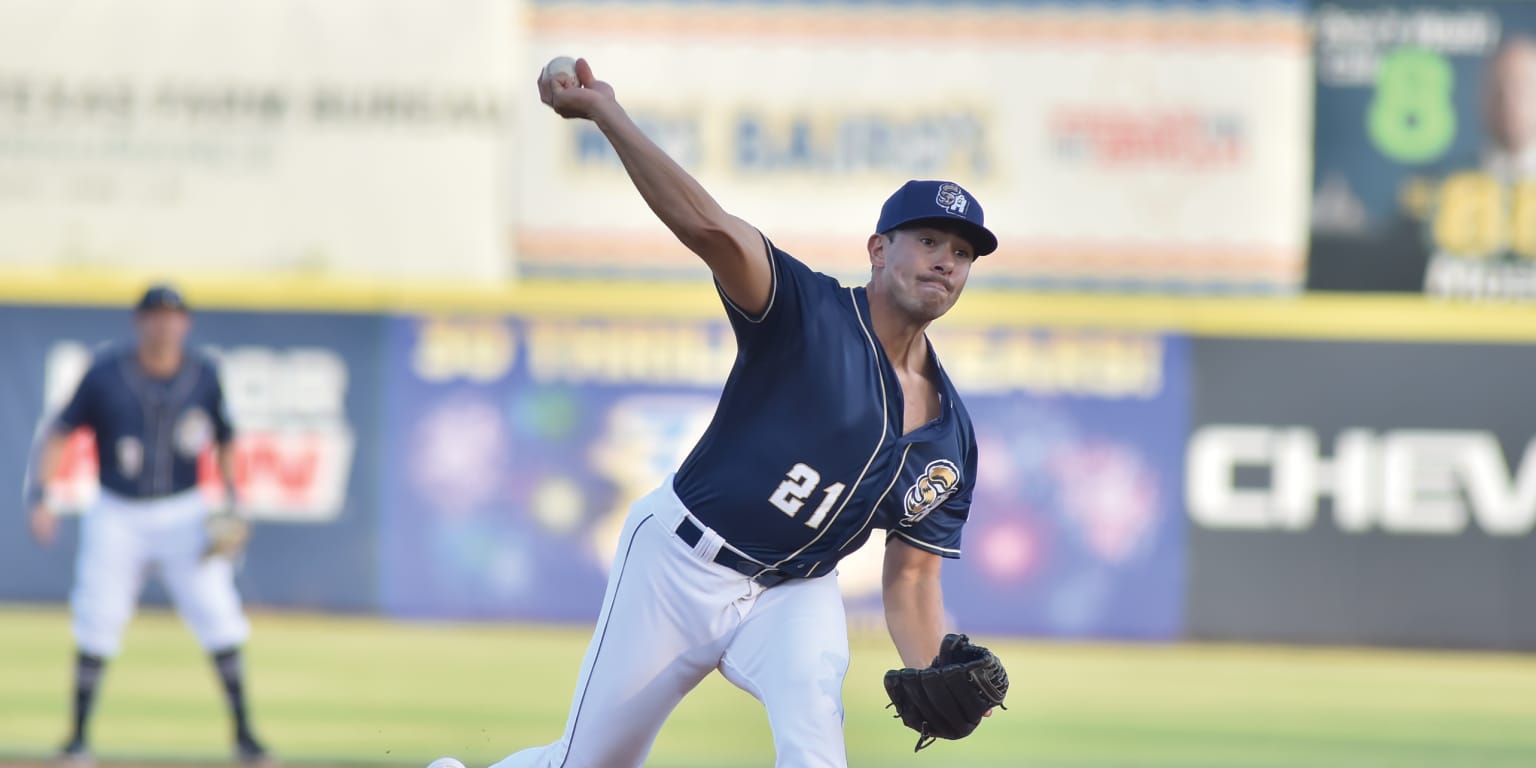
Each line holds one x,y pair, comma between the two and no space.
154,409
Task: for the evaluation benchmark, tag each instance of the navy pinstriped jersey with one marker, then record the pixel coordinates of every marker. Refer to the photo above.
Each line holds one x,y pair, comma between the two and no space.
149,432
806,455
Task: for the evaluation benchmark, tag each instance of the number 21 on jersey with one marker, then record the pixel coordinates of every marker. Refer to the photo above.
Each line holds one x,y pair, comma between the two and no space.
798,486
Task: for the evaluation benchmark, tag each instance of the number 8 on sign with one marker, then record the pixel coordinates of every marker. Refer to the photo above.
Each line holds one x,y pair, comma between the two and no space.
1412,119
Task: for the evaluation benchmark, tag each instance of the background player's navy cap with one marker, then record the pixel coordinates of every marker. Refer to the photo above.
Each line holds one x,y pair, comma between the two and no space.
161,297
941,202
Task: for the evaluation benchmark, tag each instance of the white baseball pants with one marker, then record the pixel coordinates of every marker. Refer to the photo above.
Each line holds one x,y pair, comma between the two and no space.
670,616
121,541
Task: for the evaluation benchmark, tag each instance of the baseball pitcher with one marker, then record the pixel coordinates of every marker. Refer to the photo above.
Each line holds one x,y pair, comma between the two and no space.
836,419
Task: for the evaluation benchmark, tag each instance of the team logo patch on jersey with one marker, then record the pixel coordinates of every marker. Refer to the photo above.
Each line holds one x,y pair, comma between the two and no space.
194,431
952,199
939,481
130,456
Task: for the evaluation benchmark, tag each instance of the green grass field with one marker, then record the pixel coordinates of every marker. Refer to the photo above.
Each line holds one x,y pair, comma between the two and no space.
363,691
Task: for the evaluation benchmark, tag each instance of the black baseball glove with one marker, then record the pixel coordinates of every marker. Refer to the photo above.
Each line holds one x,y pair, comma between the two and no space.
948,699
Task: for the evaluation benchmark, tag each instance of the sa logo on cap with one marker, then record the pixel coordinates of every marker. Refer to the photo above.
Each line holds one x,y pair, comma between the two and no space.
952,199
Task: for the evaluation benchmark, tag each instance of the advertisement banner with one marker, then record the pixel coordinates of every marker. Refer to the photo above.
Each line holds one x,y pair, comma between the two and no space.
302,396
352,137
1155,148
520,443
1075,528
1425,175
1363,493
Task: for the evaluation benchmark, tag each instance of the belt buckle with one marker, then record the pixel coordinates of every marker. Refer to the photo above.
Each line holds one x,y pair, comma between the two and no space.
770,577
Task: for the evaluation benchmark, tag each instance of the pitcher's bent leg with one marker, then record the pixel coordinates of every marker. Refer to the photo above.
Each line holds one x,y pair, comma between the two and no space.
650,647
792,654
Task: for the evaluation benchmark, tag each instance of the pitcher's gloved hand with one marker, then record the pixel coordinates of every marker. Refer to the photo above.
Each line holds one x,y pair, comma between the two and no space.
948,699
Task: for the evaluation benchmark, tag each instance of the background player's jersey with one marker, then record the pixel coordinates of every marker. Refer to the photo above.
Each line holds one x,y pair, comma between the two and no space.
149,432
806,453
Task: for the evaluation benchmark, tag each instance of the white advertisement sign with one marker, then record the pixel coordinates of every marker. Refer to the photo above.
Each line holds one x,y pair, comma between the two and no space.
343,138
1110,149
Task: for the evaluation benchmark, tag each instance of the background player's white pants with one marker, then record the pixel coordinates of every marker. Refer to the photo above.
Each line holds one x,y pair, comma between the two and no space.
670,616
121,540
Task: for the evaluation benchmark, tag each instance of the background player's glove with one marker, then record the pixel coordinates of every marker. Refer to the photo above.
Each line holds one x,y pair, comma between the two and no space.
948,699
227,533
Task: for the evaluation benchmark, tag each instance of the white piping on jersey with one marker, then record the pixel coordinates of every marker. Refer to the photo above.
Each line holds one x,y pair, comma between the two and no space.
885,427
138,384
949,402
925,544
158,473
773,289
176,396
872,510
876,508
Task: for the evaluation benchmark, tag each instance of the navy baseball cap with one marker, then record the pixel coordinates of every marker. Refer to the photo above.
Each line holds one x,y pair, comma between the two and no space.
161,297
942,203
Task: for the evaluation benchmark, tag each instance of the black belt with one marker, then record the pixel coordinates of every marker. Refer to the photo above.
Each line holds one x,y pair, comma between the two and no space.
765,576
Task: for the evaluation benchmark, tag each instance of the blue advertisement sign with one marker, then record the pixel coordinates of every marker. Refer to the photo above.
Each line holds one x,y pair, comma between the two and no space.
1424,177
521,442
1077,526
302,391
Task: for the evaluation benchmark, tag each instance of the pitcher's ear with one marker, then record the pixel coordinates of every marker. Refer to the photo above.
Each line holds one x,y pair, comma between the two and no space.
877,246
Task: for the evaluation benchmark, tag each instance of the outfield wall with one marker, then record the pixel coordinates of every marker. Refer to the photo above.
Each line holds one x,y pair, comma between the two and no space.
1362,492
1150,470
357,137
303,389
1145,146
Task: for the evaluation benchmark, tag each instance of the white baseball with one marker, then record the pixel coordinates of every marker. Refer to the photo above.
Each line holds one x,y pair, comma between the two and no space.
559,65
445,762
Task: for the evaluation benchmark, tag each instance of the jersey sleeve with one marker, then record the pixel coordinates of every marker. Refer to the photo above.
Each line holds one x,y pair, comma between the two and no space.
939,532
80,411
795,290
223,426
